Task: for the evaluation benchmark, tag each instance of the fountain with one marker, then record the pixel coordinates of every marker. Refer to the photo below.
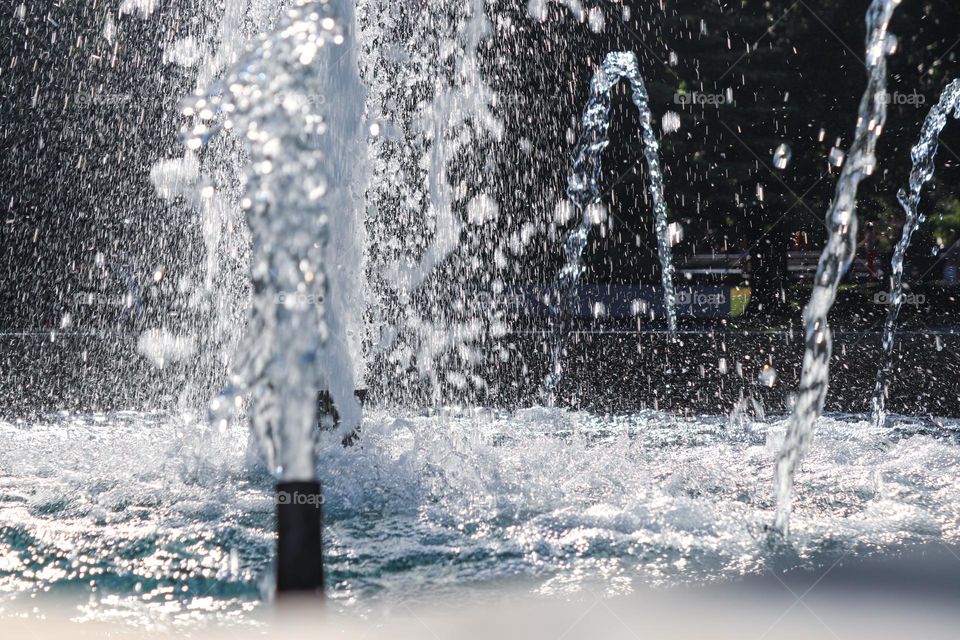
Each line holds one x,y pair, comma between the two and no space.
342,164
923,156
296,196
583,191
841,221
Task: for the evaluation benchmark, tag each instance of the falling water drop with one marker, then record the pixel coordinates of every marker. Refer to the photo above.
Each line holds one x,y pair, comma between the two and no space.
670,122
837,157
564,212
782,156
768,376
596,20
891,44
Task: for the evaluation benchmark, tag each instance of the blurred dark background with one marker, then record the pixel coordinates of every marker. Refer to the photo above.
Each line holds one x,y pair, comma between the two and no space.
744,78
84,114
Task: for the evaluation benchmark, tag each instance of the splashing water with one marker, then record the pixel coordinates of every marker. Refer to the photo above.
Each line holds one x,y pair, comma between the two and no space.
294,343
430,196
215,283
583,189
923,156
836,257
562,501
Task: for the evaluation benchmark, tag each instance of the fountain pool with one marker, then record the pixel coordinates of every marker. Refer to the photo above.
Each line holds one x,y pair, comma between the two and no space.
376,195
141,517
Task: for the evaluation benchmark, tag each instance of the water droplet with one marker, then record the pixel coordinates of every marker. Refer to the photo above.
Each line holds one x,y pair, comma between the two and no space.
671,122
675,233
482,209
890,46
782,156
538,10
768,376
596,20
837,157
596,213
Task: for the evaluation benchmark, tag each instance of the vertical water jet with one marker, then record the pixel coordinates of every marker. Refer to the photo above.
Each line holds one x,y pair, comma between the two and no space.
294,99
841,222
583,190
923,156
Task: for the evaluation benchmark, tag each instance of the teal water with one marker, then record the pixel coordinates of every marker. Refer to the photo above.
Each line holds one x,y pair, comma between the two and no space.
157,519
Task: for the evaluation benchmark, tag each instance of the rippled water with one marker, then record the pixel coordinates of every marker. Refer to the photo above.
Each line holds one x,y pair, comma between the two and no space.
157,520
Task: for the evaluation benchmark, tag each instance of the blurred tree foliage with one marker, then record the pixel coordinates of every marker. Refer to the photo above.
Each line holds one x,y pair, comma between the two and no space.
796,75
744,76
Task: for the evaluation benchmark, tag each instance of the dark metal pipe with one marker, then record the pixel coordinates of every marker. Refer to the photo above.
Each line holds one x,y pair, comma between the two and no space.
299,538
299,561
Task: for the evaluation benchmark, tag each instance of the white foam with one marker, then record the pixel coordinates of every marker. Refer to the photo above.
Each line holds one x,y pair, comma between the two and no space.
565,499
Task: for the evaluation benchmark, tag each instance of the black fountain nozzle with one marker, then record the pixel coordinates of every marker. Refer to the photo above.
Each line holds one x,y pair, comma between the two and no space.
299,538
299,561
